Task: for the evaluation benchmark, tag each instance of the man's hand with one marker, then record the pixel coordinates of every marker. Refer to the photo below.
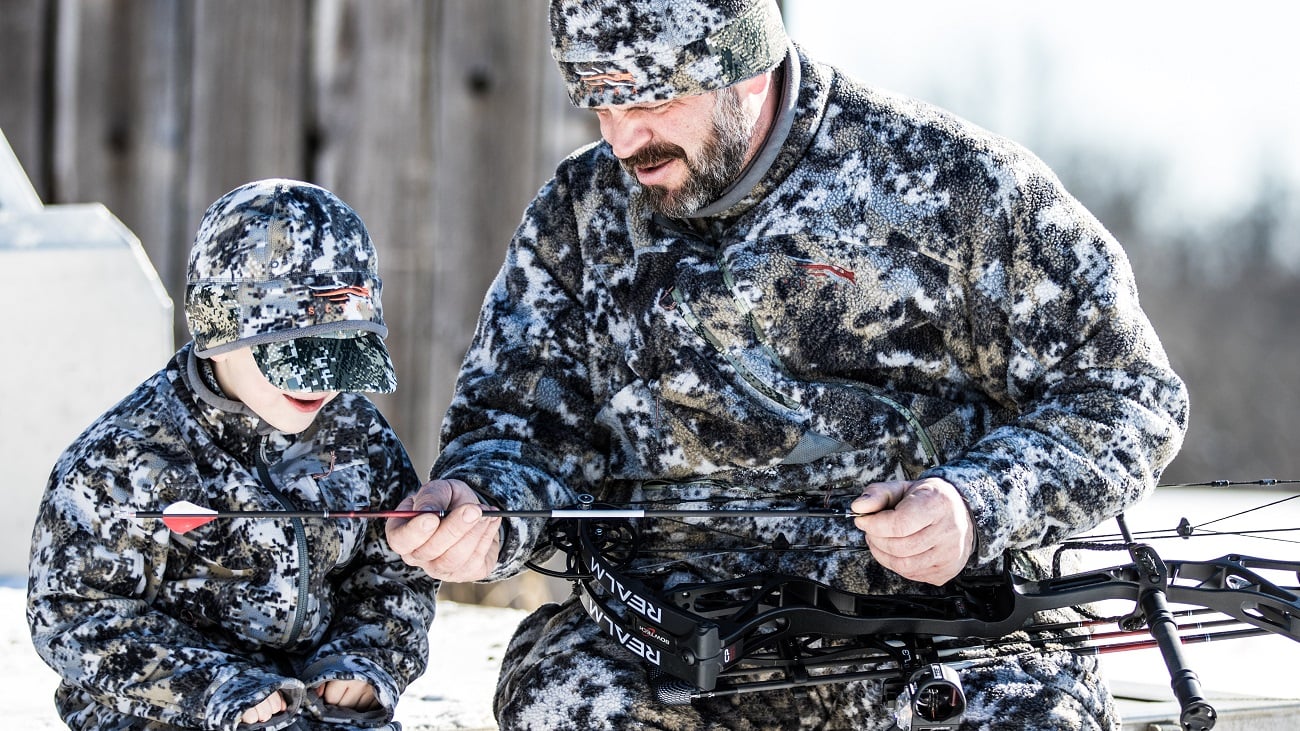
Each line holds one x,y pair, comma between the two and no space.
919,529
356,694
263,711
463,546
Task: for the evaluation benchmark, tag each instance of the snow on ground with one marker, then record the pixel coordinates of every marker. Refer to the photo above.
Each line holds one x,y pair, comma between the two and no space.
26,684
455,693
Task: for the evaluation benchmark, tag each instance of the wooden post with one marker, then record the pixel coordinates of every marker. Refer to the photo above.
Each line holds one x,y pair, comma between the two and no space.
25,40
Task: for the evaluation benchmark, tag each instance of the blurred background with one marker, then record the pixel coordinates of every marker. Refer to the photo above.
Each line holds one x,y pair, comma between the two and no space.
1177,123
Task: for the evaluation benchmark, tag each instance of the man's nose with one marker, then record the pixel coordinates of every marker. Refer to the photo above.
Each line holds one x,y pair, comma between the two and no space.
624,132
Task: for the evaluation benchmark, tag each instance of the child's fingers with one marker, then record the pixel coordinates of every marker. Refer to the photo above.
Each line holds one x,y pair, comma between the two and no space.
263,711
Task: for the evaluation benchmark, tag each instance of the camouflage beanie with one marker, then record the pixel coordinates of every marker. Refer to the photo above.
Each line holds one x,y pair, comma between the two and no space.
631,51
288,269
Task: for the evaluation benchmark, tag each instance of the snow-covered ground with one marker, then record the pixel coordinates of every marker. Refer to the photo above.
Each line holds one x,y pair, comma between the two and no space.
467,641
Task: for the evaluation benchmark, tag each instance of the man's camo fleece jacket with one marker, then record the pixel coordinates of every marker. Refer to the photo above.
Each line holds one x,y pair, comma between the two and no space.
887,292
191,629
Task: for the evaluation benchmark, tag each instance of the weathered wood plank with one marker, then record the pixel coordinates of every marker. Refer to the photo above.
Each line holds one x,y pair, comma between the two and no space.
25,52
372,72
248,112
120,122
487,57
497,138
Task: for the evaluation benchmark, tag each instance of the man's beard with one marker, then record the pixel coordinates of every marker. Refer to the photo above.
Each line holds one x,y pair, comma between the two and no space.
712,172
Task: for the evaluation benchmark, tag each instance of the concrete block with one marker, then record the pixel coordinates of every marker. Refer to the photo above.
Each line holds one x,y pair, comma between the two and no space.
87,319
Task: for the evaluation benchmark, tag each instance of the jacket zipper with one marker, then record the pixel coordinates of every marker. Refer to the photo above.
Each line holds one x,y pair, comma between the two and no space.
300,539
750,377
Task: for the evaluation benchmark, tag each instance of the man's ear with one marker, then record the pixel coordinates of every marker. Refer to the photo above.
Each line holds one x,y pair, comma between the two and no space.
756,85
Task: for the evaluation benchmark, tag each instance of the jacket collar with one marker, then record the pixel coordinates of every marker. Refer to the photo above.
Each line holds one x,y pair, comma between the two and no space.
234,426
804,91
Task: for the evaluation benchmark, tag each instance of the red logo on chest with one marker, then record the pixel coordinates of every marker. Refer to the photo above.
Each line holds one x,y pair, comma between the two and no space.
824,270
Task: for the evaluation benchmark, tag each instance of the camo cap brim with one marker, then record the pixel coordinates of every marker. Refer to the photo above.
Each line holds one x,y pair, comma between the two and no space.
613,52
352,361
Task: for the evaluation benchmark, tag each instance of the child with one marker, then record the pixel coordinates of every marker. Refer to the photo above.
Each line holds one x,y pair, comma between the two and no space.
241,623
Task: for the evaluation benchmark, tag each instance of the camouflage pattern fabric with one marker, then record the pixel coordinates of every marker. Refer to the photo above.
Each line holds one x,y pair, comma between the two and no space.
280,259
562,672
348,361
151,629
632,52
901,294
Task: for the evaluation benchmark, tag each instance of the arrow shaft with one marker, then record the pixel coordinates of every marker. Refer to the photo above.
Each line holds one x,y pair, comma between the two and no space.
141,514
577,513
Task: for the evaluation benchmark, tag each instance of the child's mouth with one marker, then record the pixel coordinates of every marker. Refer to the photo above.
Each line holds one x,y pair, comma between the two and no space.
305,405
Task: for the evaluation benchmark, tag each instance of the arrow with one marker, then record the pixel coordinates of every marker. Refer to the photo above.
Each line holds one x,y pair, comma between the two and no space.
185,516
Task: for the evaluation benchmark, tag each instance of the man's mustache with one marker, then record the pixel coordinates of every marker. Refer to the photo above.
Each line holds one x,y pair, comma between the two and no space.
652,155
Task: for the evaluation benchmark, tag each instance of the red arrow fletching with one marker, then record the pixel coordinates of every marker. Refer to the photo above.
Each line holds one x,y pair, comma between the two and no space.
184,516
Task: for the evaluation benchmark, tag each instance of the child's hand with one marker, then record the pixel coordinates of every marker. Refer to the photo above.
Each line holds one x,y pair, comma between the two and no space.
263,711
356,694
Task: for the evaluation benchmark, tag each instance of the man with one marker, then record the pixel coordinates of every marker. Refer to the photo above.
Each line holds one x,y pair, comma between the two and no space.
770,280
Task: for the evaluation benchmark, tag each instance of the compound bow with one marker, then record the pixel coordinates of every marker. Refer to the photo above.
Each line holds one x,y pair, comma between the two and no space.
771,631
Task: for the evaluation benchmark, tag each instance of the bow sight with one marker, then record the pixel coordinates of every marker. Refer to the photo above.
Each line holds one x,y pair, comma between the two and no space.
771,631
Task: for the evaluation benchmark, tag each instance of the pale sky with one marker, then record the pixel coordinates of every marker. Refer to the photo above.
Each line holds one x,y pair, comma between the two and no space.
1207,88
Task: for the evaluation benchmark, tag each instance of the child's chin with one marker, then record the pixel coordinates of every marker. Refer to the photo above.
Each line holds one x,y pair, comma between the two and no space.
292,423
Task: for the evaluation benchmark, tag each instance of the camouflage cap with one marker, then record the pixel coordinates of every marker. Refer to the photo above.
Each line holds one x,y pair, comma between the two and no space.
631,51
281,260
